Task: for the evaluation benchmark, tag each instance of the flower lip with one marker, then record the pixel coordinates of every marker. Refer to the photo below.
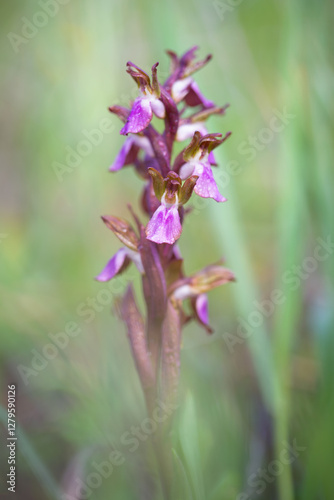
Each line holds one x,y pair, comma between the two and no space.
165,225
206,186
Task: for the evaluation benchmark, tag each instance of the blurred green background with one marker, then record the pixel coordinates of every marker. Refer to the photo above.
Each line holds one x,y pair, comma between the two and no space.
241,399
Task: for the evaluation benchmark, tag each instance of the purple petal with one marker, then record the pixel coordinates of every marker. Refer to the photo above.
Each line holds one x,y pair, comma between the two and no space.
165,225
195,97
201,305
127,155
116,263
206,186
139,117
212,159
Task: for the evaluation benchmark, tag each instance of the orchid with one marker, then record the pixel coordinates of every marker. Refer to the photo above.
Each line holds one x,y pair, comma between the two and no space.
165,224
170,182
195,287
197,162
147,103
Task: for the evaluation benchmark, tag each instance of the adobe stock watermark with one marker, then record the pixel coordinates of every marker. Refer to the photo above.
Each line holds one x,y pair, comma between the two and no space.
90,139
249,148
59,341
31,27
293,277
259,480
255,143
224,7
74,156
129,442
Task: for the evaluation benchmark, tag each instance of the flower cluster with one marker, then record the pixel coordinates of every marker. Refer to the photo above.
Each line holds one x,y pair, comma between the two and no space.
169,183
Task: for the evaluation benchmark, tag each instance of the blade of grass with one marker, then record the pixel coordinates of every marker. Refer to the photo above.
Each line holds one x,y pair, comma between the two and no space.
229,234
292,224
184,490
35,463
188,432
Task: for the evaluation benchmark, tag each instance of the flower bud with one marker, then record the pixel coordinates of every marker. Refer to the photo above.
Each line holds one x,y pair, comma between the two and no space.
122,229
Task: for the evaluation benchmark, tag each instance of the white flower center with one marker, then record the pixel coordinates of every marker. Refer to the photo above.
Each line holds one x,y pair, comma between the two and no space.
168,205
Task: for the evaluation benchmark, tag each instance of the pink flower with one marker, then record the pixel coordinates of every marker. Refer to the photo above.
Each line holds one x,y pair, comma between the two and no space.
198,158
147,103
165,224
206,186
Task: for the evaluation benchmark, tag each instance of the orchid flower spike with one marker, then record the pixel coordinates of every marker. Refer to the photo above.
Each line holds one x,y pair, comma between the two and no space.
169,182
